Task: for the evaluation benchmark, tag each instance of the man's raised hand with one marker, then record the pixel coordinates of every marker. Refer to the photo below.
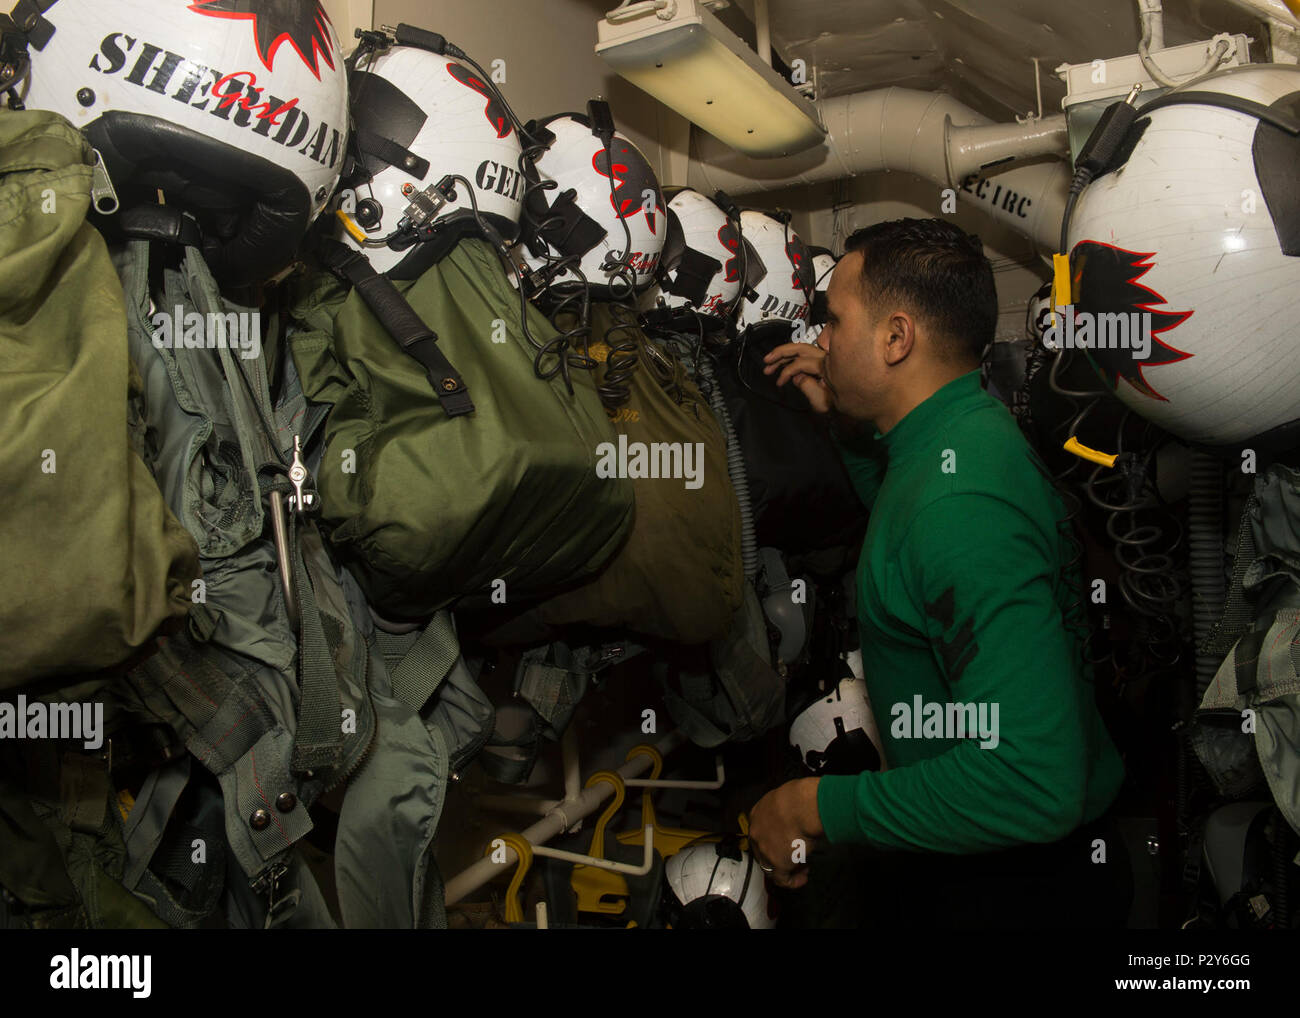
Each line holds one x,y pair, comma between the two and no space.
802,363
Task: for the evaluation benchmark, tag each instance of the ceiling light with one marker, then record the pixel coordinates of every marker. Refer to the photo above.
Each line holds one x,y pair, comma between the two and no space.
694,64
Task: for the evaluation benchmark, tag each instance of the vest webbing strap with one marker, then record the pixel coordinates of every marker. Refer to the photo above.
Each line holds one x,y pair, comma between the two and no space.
424,664
403,324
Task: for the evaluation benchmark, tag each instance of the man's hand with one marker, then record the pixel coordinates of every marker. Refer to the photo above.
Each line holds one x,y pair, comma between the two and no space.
783,818
802,364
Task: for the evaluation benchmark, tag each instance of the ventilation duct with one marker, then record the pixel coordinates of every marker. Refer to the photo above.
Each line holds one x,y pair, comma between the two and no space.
925,133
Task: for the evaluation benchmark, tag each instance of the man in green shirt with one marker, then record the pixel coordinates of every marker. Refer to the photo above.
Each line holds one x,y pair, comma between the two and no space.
1000,771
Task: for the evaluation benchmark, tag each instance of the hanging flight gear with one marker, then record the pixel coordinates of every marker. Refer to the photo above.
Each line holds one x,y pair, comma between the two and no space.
278,685
427,507
111,564
800,493
1245,728
727,691
678,576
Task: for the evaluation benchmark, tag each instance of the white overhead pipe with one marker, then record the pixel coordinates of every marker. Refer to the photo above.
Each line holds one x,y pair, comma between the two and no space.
762,32
925,133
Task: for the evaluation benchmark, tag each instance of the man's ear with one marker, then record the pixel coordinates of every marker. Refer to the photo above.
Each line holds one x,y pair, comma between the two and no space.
901,339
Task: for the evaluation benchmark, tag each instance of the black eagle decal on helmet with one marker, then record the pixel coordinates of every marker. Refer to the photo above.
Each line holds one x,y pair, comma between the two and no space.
495,113
632,172
302,23
1105,281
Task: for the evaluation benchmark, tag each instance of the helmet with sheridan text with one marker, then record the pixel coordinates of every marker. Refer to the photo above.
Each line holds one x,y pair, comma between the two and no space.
421,118
786,290
234,110
600,219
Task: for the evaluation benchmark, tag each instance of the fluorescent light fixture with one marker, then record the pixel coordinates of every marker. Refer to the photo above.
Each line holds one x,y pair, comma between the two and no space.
700,68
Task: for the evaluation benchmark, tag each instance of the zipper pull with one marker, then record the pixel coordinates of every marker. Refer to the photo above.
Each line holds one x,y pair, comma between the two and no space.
102,195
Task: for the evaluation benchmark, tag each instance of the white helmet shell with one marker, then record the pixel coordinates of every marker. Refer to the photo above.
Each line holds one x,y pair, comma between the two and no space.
786,290
1193,244
255,87
440,111
837,734
712,234
823,266
717,884
628,195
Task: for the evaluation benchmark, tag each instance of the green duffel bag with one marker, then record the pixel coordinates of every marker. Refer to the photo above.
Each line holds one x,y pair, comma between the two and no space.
427,507
679,575
93,560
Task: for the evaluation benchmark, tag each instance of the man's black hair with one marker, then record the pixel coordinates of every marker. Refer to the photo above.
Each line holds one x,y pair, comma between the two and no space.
937,272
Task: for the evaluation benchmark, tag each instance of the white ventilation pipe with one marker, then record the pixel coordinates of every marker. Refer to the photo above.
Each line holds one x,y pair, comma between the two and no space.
924,133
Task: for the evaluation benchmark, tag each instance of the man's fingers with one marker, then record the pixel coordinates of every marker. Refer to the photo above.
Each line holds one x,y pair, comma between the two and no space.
794,371
784,352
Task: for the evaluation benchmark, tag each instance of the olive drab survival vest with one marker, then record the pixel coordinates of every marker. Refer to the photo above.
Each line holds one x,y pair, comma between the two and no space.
679,575
278,685
93,560
1247,728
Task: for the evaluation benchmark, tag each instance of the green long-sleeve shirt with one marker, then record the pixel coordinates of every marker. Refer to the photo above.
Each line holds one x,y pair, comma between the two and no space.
961,600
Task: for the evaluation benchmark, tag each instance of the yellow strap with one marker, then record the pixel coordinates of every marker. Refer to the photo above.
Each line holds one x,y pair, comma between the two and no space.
1060,283
1106,459
349,224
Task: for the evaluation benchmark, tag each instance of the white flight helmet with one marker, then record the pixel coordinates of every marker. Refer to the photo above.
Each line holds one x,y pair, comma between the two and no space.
785,292
420,118
837,734
716,885
236,110
823,265
706,275
1186,261
595,217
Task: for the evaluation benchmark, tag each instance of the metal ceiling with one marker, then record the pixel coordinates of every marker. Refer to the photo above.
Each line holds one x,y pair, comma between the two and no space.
979,51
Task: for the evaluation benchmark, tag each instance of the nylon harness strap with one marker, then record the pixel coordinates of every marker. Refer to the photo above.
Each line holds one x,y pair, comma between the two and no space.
403,324
424,664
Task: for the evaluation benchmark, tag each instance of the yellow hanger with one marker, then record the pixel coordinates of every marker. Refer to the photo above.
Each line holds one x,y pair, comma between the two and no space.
667,840
600,890
524,849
